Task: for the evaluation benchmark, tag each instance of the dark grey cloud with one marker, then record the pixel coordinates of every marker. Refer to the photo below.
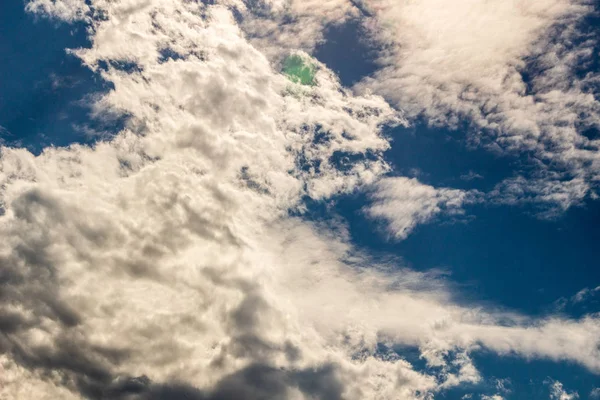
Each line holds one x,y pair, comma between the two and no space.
254,382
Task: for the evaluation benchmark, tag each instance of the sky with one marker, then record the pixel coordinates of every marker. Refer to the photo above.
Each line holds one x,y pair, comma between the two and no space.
284,199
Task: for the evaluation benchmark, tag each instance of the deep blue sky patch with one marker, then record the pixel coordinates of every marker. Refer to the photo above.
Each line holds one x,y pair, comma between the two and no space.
44,91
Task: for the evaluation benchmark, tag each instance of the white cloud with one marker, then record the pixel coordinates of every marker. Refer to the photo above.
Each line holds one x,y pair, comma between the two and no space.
471,175
278,26
405,202
595,393
165,262
584,294
68,10
558,392
503,385
580,298
556,195
452,62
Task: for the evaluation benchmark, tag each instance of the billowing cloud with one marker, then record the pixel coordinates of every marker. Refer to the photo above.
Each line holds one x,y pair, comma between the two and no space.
164,263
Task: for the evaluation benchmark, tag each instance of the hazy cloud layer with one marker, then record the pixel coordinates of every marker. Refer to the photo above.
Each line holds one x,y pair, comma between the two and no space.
164,263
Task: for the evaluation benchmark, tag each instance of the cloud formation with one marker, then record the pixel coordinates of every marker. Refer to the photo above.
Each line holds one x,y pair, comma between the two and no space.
514,71
508,67
67,10
494,397
558,392
405,202
164,263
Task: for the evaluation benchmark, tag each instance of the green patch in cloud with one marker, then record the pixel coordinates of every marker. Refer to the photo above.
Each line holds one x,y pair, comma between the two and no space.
299,70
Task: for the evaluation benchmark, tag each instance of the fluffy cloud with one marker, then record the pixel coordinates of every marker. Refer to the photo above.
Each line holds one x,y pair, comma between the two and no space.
405,202
68,10
164,263
276,26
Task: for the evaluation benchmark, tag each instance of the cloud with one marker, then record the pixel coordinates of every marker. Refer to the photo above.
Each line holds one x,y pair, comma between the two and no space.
512,71
595,393
471,175
557,391
164,263
278,26
508,67
68,10
582,300
552,194
405,202
503,386
584,294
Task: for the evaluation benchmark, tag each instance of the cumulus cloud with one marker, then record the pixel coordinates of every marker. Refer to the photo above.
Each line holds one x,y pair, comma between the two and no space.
164,263
405,202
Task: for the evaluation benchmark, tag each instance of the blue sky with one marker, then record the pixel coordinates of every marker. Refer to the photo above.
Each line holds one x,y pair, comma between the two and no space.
44,88
494,251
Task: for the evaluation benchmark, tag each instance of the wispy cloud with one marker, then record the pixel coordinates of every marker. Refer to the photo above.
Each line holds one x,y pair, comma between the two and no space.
558,392
509,68
404,203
